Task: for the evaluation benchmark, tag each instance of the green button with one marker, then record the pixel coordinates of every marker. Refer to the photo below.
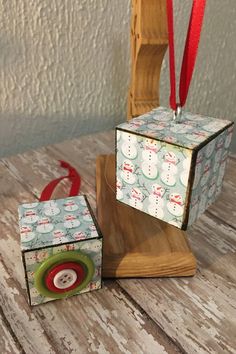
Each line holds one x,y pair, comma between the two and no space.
60,258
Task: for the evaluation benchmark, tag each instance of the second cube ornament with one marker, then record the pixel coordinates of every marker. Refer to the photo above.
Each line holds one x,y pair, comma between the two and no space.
170,164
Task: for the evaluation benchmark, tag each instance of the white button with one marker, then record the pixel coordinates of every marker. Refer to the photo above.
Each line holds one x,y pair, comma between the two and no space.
65,278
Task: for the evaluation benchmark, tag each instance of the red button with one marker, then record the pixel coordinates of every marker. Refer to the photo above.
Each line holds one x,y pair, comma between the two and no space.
70,273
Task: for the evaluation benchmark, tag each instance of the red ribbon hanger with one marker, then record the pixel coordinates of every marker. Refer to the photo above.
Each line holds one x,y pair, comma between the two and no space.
190,51
73,176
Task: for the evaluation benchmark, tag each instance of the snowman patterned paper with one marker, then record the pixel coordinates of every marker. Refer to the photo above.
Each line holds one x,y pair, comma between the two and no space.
54,222
193,129
154,179
209,173
154,159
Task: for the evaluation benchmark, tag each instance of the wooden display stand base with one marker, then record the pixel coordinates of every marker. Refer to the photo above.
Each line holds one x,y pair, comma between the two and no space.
136,244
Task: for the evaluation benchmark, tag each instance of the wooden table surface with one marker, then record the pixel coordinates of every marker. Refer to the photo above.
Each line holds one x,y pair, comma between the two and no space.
188,315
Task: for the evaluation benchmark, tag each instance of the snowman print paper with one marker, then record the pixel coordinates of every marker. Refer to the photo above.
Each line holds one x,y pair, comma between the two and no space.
55,222
171,171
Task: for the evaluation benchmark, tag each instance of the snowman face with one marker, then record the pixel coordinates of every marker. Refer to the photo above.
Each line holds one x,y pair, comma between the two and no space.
175,205
71,221
58,233
170,157
128,167
87,216
151,145
27,233
176,198
93,230
30,205
158,190
136,194
80,235
44,226
30,217
129,138
149,170
168,178
127,172
71,206
129,150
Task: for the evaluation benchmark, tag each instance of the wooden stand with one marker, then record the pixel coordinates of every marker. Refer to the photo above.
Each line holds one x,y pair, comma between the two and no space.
136,244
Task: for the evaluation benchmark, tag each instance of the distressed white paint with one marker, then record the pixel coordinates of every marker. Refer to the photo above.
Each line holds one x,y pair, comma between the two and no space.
64,67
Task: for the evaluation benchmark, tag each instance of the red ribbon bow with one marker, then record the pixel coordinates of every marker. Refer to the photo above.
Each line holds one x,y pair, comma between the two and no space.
73,176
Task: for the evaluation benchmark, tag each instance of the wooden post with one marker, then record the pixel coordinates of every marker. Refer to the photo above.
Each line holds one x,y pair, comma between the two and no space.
149,41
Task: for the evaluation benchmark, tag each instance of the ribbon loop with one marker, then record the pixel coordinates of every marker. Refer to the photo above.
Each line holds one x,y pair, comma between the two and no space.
73,176
190,51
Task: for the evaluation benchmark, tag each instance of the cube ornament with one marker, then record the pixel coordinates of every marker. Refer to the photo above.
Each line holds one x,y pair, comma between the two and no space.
61,248
171,170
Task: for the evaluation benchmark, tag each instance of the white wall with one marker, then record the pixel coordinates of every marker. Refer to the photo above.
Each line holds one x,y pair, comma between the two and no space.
64,67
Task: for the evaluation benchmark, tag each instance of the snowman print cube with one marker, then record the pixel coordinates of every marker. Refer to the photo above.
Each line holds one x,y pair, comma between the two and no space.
171,170
61,247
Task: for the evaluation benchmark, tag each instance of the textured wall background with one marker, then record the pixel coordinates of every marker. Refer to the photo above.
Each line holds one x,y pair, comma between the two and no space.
64,67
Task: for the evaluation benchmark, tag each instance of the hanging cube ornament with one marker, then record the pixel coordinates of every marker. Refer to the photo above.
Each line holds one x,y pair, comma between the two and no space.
61,248
171,170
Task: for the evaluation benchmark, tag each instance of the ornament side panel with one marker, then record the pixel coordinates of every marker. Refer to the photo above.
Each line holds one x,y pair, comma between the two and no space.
152,176
55,221
35,258
209,173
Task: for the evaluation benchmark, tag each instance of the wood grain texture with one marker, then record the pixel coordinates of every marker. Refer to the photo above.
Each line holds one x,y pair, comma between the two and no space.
149,42
8,342
136,244
101,322
188,315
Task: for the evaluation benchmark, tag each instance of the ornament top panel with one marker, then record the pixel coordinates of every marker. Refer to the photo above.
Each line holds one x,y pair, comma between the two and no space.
55,222
190,132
